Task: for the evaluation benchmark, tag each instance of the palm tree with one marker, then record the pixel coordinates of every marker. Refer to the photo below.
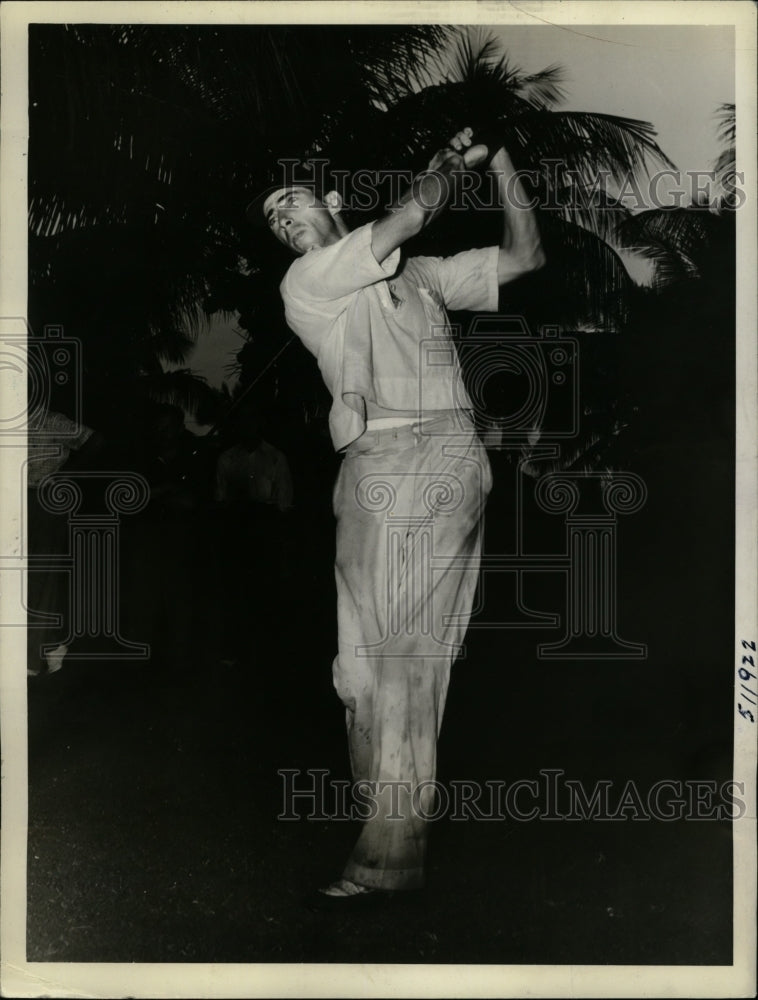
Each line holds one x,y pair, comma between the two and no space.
176,125
680,340
696,241
474,82
725,164
585,285
145,142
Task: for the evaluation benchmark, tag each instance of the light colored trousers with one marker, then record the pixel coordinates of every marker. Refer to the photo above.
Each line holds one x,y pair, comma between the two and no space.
409,504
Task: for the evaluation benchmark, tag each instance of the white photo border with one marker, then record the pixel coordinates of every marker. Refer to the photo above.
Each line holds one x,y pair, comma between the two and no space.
30,979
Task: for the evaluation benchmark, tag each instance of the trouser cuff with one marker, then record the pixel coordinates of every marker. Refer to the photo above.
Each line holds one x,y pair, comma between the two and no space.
384,878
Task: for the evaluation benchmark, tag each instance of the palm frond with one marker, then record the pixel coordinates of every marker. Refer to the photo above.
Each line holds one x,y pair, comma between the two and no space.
181,387
178,123
589,284
727,128
542,89
477,59
677,229
395,63
725,163
586,142
171,345
475,53
593,208
679,241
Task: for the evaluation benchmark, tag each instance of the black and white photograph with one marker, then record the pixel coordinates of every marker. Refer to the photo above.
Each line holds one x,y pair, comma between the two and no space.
378,513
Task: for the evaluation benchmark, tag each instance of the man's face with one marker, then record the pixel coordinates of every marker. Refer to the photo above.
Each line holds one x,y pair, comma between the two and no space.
299,220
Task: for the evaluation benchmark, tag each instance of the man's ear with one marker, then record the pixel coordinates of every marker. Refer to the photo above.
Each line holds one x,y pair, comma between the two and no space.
333,202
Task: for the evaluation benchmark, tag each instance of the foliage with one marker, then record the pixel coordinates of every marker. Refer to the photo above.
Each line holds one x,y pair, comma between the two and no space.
146,142
696,241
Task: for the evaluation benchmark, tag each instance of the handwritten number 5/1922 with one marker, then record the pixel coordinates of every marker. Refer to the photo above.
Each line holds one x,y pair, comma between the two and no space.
745,675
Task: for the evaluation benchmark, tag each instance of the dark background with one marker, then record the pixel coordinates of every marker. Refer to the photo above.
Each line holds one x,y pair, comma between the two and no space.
154,791
153,786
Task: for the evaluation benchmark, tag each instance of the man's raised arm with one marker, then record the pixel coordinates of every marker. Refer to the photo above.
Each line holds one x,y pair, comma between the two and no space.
520,248
427,195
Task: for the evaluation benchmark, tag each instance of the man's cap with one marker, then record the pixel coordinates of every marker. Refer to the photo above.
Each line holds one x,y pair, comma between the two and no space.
254,209
305,177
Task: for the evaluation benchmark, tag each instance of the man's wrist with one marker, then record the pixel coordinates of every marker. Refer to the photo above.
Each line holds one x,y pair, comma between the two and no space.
431,190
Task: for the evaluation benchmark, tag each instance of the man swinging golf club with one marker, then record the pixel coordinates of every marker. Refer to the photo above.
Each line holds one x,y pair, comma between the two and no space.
414,477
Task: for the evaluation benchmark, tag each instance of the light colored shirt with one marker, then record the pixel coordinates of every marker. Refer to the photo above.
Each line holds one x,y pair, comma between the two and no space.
380,332
261,476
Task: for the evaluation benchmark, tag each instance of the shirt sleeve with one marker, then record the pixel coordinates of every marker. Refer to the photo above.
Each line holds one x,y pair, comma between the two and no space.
466,280
338,270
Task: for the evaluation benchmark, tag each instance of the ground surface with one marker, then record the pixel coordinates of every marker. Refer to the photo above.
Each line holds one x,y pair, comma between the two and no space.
154,796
